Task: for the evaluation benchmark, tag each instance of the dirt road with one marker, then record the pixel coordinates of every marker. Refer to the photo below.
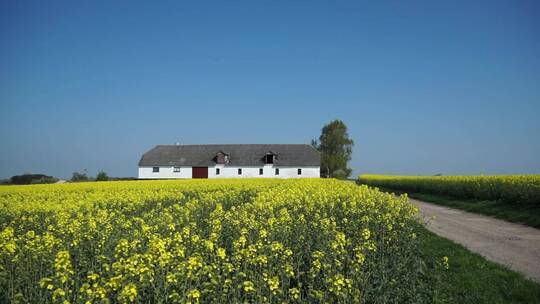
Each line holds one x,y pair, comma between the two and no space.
513,245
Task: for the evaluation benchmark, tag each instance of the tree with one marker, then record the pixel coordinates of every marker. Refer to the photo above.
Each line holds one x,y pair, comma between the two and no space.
29,178
102,176
336,149
79,176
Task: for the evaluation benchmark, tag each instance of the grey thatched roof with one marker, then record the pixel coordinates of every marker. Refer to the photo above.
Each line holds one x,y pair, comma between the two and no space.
239,155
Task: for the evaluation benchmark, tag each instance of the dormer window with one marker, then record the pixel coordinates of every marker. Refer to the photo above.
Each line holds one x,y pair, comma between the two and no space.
269,158
222,158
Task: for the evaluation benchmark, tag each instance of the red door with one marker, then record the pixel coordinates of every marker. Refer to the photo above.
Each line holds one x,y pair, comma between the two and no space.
200,172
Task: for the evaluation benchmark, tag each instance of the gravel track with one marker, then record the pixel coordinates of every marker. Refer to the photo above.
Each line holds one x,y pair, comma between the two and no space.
513,245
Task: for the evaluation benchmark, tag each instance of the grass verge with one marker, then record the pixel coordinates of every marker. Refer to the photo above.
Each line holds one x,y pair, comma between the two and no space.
472,279
524,214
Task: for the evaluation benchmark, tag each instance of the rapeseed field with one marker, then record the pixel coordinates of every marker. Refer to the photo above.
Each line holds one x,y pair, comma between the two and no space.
514,189
219,241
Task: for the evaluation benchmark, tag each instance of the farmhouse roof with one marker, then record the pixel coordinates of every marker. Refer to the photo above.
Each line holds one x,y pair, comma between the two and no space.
239,155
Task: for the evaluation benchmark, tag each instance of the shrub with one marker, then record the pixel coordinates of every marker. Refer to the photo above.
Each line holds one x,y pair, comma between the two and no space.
79,177
27,179
102,176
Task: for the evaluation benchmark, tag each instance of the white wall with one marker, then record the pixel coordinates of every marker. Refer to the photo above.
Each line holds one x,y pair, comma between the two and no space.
164,172
232,172
268,172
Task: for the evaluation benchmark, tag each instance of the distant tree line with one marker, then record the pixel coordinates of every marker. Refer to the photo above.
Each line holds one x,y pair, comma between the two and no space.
82,176
27,179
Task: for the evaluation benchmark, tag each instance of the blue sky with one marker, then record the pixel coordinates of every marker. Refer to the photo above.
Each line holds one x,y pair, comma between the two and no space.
425,87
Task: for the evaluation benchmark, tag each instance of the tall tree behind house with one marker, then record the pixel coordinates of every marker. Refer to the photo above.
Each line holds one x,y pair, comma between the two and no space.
336,149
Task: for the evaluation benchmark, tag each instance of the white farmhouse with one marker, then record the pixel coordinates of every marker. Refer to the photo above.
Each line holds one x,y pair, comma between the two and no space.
230,161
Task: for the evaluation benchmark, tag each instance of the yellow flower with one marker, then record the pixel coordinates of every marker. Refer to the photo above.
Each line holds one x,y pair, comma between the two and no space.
295,293
128,293
194,263
194,294
248,286
445,262
221,253
360,257
170,278
58,293
366,234
10,247
289,270
92,276
30,234
276,246
273,283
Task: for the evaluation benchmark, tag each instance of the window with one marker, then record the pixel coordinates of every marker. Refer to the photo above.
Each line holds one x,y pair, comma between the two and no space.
269,159
222,158
217,171
260,171
277,171
299,171
176,169
155,169
239,171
